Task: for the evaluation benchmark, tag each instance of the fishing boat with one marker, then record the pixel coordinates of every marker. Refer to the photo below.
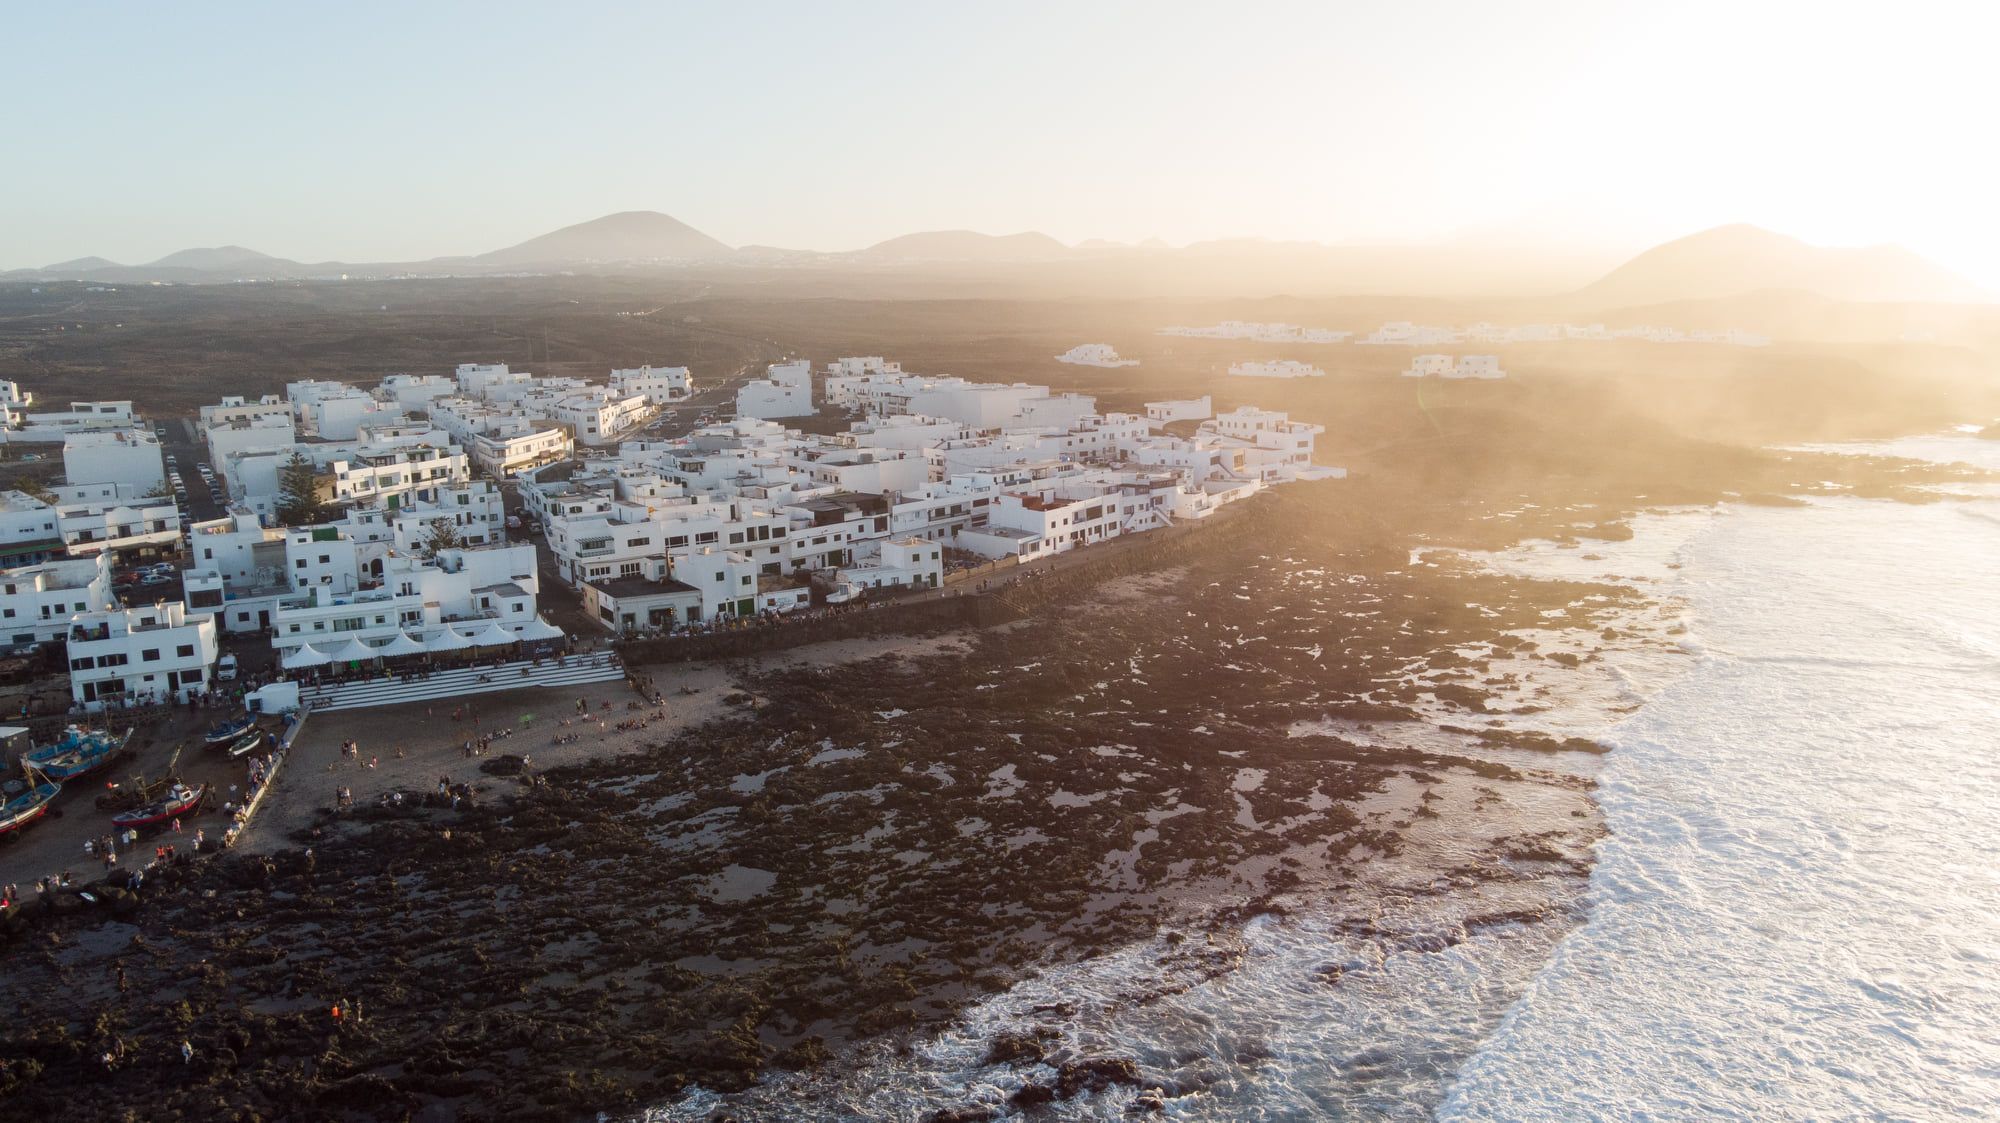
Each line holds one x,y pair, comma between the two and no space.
179,800
251,740
229,731
80,751
28,806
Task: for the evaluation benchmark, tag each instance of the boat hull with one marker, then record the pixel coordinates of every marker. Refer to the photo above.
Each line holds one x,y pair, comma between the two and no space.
161,812
23,809
225,734
251,740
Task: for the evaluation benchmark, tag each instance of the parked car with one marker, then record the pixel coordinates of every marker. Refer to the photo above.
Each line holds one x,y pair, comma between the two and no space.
225,669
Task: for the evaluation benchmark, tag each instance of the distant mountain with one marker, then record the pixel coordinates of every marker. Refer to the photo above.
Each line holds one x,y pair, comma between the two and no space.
218,258
1733,260
629,236
966,245
82,265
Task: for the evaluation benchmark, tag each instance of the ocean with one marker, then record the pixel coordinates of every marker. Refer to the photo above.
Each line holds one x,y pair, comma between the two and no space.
1794,913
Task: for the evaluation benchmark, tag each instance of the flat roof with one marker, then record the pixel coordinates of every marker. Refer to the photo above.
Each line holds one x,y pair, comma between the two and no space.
624,588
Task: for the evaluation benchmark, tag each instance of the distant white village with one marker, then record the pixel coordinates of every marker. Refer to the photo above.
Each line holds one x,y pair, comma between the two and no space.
410,554
1095,355
1278,368
1401,333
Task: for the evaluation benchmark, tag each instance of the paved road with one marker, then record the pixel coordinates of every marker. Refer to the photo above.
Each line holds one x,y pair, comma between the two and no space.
180,439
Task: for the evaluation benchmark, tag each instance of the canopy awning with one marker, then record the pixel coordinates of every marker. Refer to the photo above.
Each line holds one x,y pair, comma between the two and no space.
403,644
347,651
306,656
490,636
538,629
447,640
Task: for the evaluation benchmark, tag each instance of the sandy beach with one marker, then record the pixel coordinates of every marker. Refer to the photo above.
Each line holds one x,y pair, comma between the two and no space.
408,748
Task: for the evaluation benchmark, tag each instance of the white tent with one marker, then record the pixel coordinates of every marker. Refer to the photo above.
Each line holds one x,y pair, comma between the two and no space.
447,640
489,636
538,629
347,651
306,656
403,644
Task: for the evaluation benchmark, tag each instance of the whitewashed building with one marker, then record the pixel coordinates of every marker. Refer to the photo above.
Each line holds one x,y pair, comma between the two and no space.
784,391
1275,368
119,456
658,385
598,416
37,601
1187,409
153,653
897,563
1095,355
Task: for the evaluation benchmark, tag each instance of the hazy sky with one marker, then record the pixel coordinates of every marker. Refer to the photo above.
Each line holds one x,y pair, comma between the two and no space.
401,131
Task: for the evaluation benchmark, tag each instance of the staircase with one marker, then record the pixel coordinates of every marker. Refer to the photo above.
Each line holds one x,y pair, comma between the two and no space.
571,670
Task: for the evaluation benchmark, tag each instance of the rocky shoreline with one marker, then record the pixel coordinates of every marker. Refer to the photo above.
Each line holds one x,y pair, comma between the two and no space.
860,852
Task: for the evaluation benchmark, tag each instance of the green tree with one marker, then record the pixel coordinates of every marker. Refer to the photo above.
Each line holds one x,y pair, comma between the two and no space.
442,535
298,493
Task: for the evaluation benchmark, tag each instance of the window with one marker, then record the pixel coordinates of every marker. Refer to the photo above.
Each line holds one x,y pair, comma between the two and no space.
82,664
184,650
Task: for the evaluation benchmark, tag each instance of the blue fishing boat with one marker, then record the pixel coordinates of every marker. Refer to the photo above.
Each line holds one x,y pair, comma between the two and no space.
28,806
229,731
79,751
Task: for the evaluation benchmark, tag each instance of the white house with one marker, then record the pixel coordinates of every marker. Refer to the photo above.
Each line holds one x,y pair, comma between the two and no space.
1188,409
1429,366
1095,355
37,601
502,441
784,391
1276,368
1275,447
227,436
120,456
415,392
29,531
57,425
398,476
598,416
153,653
658,385
898,563
120,521
1465,366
